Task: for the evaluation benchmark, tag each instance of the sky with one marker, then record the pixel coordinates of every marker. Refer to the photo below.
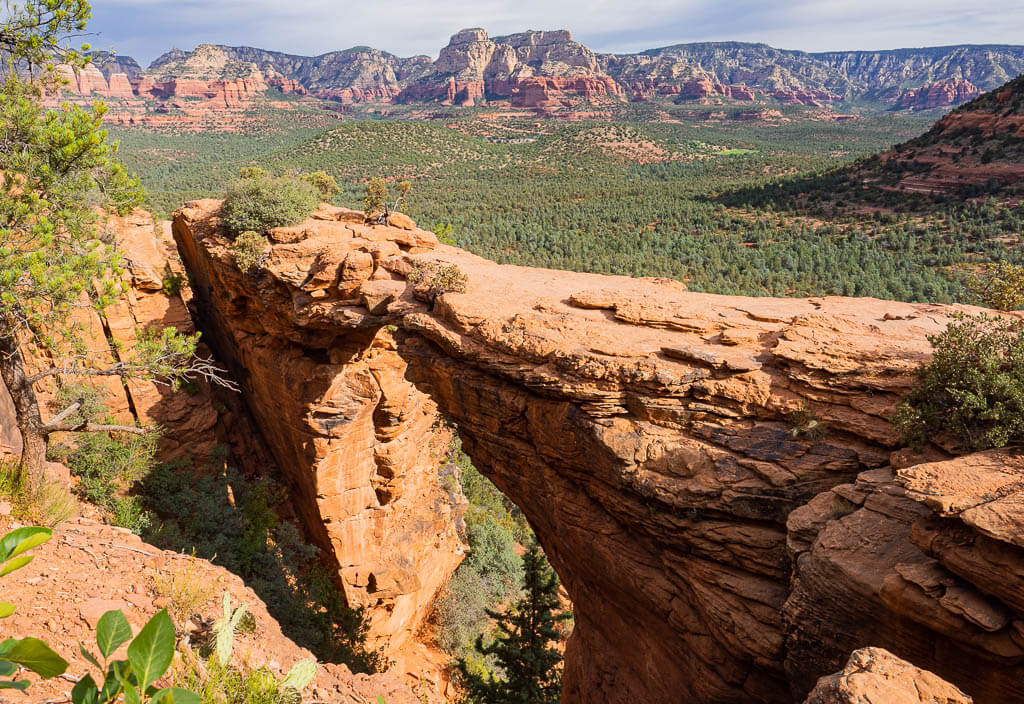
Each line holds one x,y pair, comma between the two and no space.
144,29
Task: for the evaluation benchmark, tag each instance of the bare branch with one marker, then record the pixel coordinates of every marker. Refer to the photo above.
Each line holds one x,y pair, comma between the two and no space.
63,415
88,427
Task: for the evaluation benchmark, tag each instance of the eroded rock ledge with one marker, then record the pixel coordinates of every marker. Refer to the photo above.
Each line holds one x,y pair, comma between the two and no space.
712,553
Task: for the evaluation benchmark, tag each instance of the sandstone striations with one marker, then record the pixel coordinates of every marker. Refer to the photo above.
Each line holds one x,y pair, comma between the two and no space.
534,69
364,455
715,547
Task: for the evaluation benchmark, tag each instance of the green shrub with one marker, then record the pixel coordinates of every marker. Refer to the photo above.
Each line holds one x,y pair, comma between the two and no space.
250,251
229,519
263,203
973,387
999,286
172,282
107,466
251,172
323,182
432,280
445,232
376,196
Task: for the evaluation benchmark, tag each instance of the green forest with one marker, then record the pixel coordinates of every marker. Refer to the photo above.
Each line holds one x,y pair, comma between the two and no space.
683,199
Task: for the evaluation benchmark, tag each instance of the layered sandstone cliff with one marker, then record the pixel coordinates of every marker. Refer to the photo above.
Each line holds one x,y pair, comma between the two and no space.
716,545
534,69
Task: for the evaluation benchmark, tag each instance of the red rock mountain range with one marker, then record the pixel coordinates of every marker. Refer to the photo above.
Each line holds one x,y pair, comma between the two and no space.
549,70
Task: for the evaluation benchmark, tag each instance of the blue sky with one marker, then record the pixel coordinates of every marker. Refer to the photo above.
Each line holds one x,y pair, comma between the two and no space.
146,28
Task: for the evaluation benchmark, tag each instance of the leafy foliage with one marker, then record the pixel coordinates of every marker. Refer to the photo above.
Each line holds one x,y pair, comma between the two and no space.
524,647
323,182
250,250
262,203
149,656
376,196
491,575
973,387
108,465
431,280
45,503
999,286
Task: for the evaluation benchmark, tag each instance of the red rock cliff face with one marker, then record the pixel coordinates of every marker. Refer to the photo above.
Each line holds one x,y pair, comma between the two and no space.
360,443
712,552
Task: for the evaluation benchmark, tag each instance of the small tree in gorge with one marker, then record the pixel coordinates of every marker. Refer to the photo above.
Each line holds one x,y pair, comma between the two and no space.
524,647
55,167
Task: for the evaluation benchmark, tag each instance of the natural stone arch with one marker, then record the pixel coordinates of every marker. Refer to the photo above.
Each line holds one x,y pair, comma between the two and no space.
645,433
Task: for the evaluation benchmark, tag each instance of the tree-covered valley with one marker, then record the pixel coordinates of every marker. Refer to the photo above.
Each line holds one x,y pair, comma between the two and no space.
670,198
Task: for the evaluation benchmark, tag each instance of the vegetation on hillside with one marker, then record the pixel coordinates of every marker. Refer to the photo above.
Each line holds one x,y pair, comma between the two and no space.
699,201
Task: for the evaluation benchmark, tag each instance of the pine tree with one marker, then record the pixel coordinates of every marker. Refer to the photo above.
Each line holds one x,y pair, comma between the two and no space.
56,167
524,647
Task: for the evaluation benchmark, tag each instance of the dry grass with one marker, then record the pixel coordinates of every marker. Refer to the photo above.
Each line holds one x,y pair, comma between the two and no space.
186,589
49,504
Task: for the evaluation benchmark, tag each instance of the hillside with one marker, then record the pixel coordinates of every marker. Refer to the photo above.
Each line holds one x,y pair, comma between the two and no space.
974,152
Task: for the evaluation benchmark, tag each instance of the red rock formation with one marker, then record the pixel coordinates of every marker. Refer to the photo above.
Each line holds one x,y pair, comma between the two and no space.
365,456
940,94
712,552
877,676
540,92
814,98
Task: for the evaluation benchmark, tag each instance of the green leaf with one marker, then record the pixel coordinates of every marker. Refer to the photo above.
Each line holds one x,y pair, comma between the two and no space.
176,695
301,674
380,700
35,655
18,684
131,695
15,564
89,656
6,609
85,691
7,668
153,649
111,631
22,539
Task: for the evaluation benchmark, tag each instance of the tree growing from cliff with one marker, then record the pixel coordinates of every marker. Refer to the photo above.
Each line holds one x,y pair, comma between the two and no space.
375,200
972,389
525,645
56,169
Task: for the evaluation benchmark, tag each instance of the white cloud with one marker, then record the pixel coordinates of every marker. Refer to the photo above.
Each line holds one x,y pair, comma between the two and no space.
145,28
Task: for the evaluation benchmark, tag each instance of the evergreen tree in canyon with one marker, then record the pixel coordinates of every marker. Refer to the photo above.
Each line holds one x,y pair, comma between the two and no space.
525,644
58,171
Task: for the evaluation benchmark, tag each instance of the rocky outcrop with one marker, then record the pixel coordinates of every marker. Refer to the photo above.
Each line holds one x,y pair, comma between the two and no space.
716,545
941,94
972,151
535,69
877,676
